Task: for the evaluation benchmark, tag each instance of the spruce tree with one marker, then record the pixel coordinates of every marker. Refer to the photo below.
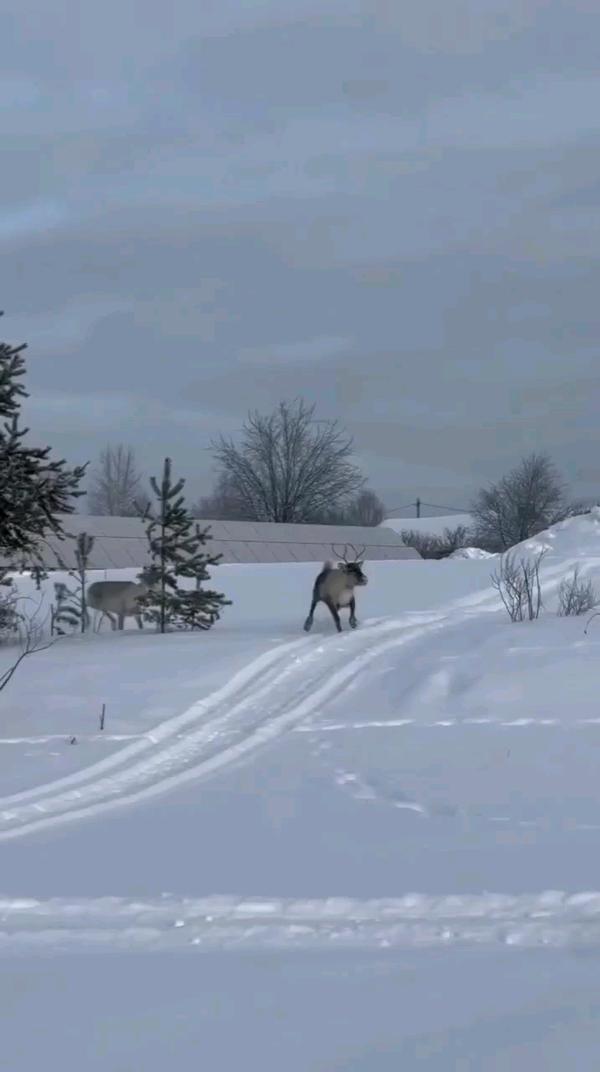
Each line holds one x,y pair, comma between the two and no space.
34,488
177,550
71,606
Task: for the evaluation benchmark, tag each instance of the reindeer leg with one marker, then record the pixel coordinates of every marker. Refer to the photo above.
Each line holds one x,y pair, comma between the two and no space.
139,620
111,618
309,621
353,621
121,620
334,614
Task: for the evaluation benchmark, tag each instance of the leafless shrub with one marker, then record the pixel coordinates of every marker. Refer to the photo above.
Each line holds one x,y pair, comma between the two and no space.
575,596
424,542
452,539
517,581
430,546
32,639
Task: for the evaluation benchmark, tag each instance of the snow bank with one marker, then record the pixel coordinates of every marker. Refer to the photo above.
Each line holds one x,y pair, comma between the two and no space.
391,777
471,553
576,537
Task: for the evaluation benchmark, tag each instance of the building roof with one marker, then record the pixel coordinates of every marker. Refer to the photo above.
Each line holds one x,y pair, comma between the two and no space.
120,542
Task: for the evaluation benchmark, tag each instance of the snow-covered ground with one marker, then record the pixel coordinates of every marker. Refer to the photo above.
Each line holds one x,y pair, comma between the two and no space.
368,852
471,552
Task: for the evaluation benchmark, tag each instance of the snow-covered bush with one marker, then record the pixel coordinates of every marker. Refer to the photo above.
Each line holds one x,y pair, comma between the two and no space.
576,596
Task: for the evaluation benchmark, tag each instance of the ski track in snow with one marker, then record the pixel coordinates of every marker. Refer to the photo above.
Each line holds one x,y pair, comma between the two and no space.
447,723
550,919
277,692
272,694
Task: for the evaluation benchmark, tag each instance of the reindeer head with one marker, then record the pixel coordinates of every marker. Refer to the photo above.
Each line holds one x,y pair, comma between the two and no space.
354,568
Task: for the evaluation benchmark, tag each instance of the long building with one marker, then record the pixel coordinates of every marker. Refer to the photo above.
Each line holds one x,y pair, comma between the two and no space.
120,542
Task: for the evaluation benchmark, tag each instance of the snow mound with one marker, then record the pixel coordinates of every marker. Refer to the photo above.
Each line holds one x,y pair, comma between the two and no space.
470,552
575,538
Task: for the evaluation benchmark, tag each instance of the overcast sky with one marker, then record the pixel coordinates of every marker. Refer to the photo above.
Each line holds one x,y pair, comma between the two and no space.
388,207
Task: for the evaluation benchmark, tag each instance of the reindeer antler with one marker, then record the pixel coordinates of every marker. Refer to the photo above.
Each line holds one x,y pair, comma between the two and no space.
357,554
340,554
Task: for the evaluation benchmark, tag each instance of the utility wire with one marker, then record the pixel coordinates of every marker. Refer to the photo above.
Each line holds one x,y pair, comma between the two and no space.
418,503
453,509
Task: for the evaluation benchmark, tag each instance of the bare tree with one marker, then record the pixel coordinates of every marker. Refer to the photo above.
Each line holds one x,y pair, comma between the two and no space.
366,509
115,485
518,506
289,467
222,504
518,584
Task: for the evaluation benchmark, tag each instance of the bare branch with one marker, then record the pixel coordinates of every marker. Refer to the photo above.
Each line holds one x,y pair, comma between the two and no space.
31,643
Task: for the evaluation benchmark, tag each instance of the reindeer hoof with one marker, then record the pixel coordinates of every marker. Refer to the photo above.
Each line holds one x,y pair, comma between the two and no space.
307,626
353,623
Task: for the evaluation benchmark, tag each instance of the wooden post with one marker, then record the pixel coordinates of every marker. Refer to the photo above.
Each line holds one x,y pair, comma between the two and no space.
102,716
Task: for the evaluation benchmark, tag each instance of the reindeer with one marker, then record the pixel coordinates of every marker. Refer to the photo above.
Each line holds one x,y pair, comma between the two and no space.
118,598
335,587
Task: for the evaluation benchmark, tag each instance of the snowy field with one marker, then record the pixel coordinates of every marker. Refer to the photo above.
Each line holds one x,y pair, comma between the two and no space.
372,852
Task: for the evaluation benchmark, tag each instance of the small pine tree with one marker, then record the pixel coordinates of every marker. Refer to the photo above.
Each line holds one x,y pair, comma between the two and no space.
34,488
83,550
65,612
71,606
176,544
9,615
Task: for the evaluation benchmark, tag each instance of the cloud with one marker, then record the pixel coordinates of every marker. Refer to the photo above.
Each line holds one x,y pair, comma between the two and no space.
405,196
17,92
308,350
462,27
33,219
67,329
